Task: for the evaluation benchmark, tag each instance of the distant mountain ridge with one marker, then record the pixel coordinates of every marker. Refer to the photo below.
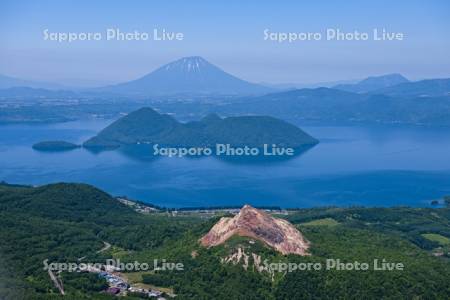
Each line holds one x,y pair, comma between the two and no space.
7,82
292,86
334,106
188,75
30,92
397,85
373,83
194,76
149,127
422,88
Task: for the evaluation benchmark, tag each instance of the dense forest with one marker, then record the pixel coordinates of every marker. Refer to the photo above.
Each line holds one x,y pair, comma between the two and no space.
66,222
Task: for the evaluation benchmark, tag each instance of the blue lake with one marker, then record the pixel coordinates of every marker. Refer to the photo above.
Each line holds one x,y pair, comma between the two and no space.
371,166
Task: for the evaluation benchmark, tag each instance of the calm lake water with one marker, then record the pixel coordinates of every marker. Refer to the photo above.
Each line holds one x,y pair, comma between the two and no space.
371,166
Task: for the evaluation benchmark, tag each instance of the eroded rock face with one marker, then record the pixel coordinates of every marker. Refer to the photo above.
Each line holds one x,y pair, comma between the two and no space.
251,222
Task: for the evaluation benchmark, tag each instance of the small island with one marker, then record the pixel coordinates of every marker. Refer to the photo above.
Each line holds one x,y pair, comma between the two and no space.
55,146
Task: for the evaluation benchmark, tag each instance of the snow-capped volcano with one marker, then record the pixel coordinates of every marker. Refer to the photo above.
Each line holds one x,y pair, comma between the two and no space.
187,64
193,75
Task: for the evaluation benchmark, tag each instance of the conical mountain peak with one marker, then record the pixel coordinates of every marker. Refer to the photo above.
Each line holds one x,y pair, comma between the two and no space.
188,75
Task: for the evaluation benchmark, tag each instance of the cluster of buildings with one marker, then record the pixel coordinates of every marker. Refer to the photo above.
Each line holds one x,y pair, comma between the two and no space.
137,206
151,293
118,286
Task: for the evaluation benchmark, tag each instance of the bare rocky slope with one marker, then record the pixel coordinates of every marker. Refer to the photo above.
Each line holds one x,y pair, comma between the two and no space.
279,234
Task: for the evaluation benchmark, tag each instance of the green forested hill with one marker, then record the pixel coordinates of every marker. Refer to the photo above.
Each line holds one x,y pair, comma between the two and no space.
64,222
148,126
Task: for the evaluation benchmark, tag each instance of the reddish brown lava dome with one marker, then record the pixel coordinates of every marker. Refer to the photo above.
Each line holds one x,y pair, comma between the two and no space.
257,224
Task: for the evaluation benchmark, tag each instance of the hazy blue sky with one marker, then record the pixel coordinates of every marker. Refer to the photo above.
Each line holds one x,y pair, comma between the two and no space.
228,34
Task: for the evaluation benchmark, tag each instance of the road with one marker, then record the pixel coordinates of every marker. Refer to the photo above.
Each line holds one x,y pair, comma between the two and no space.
106,247
56,282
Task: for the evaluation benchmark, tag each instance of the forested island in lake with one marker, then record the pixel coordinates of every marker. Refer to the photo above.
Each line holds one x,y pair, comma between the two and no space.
147,126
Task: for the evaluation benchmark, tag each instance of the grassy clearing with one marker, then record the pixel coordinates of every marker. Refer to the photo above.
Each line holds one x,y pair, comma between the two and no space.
136,279
118,252
321,222
444,241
